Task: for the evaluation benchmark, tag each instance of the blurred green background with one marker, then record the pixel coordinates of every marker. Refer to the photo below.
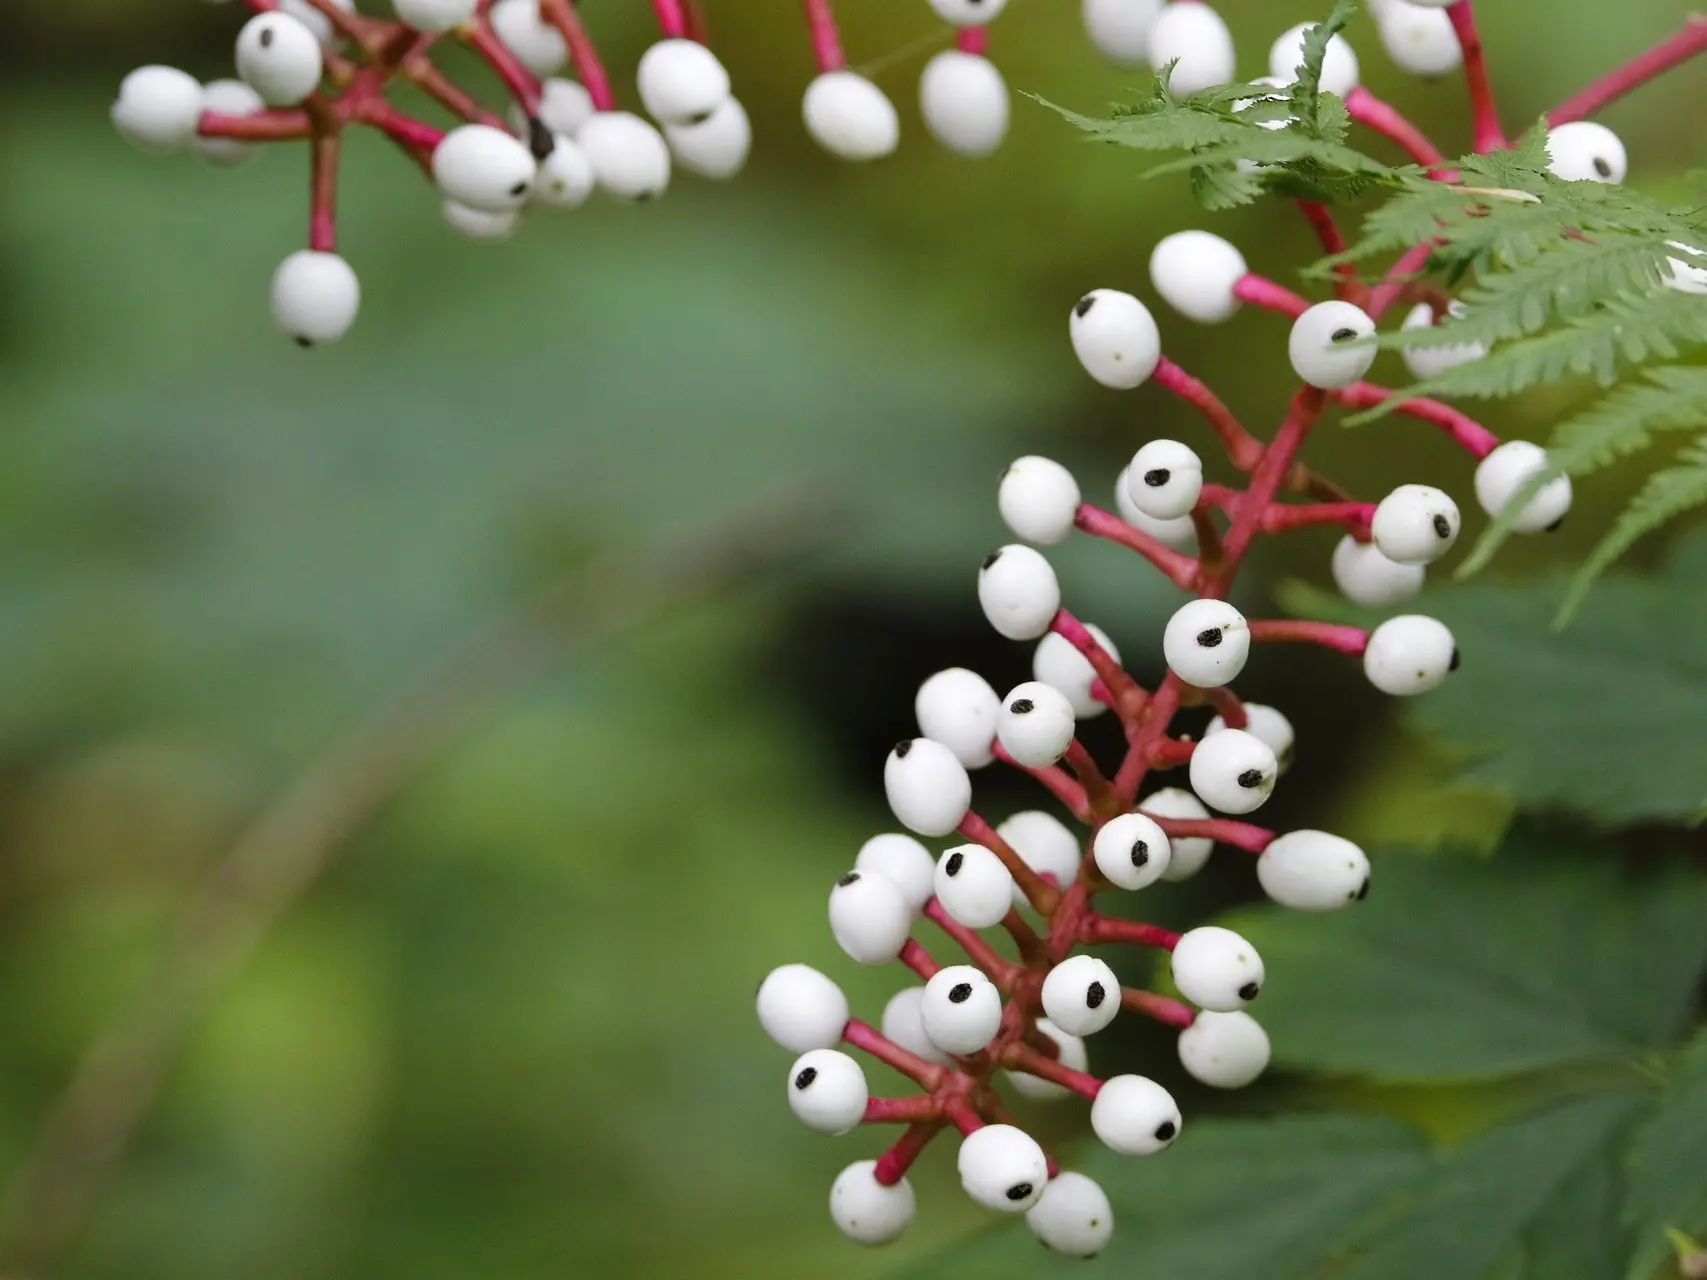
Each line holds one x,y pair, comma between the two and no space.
510,1034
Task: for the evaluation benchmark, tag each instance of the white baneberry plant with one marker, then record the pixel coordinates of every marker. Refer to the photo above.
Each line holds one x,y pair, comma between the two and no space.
1020,1015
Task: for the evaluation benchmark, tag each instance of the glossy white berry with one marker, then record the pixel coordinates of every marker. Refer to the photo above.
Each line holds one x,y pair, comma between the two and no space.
1506,470
630,159
1019,592
1131,851
1036,724
1365,576
1195,272
1584,151
827,1090
1682,274
1216,969
279,58
715,147
1408,655
1224,1050
1081,995
1266,723
1115,337
1179,534
1329,345
434,15
903,1022
801,1009
564,106
1415,524
564,178
1233,771
902,861
1038,498
1313,871
1164,479
478,224
865,1210
1045,844
227,98
1073,1216
158,107
1431,362
927,786
1003,1168
1186,854
1072,1054
870,917
1193,35
968,13
958,708
850,117
961,1009
1339,65
537,43
1056,662
681,81
964,102
1135,1116
315,297
1418,38
1206,643
1120,29
484,168
973,886
313,19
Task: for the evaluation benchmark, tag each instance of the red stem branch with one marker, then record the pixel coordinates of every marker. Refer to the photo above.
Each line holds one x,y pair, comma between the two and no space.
973,40
1262,292
1180,568
1002,972
1095,928
522,84
561,14
1161,1008
1020,1056
1227,704
1465,431
1241,835
671,20
1399,275
1635,73
826,44
1385,119
1488,134
862,1035
916,958
1042,895
1321,220
280,124
893,1164
1168,753
915,1109
1063,788
1355,516
1244,449
1265,483
323,191
1347,640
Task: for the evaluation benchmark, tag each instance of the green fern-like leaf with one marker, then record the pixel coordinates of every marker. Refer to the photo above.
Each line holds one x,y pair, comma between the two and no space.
1219,187
1306,97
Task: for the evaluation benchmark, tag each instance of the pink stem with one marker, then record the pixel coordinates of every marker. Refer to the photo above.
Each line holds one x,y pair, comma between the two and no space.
1095,928
911,1110
522,83
1385,119
323,192
1266,480
1031,947
1042,896
1157,715
1265,293
1002,972
862,1035
1488,134
1227,704
1158,1007
1392,287
281,124
1169,753
1085,769
916,958
561,14
696,30
973,40
1635,73
671,20
1351,641
1180,568
1063,788
1022,1057
1355,516
826,44
411,133
1242,447
962,1115
893,1164
1327,231
1126,690
1241,835
1465,431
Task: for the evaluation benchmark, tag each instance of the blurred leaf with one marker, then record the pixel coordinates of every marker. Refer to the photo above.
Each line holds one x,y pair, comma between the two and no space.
1668,1164
1549,953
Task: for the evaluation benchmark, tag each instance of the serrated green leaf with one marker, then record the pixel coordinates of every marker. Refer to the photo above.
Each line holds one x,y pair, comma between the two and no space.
1459,968
1222,186
1306,94
1667,1172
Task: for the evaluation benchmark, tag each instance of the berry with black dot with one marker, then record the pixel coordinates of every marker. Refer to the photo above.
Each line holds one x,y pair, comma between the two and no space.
1135,1116
973,886
1003,1168
1081,995
827,1091
870,917
1131,851
1216,969
961,1010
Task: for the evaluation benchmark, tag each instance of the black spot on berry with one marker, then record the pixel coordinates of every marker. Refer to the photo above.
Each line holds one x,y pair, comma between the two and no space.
1453,664
1156,477
265,39
1342,335
644,196
1602,167
304,343
902,748
1166,1130
1209,637
1094,995
954,863
852,877
520,189
699,117
1140,853
1363,889
1022,706
960,993
1249,991
806,1077
1555,526
1442,527
991,559
1019,1191
540,141
1251,779
1085,304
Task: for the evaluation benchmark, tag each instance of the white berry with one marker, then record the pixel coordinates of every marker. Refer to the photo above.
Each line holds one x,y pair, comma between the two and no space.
1266,723
1131,851
1206,643
1418,38
1135,1116
1233,771
865,1210
1038,498
1195,36
1164,479
1195,272
1120,29
564,106
850,117
227,98
968,13
1081,995
681,81
1045,844
1431,362
1019,592
1186,854
927,786
1313,871
869,917
1339,65
279,58
961,1009
478,224
315,297
313,19
1224,1050
1329,345
630,159
715,147
827,1091
1584,151
1216,969
1180,534
1506,470
158,107
1072,1054
1057,662
902,861
1115,337
564,178
903,1022
1409,655
973,886
1415,524
484,168
1036,724
1003,1168
958,708
964,102
1365,576
537,43
1073,1216
801,1009
1681,274
434,15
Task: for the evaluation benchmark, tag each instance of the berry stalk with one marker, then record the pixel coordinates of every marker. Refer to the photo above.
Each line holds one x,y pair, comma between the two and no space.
1487,133
1669,53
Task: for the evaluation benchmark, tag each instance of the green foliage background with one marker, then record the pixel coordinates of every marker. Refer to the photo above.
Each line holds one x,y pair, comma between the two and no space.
511,1035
